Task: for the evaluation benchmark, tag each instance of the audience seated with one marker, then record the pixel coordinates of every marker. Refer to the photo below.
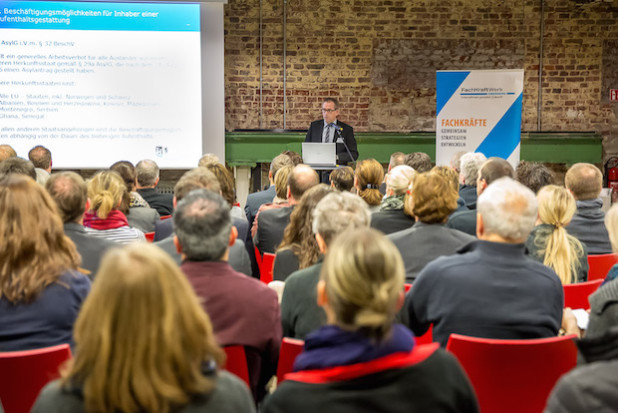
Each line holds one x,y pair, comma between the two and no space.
534,175
40,157
455,162
202,178
69,191
361,361
368,176
419,161
138,211
41,290
342,179
144,344
299,248
611,223
584,181
491,170
432,200
15,165
452,177
593,385
242,309
294,157
491,288
147,179
469,166
272,222
281,194
549,242
335,213
396,159
393,216
228,188
6,152
103,219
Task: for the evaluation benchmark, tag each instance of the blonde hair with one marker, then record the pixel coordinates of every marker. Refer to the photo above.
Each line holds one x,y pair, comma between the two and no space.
35,251
561,250
281,181
141,337
369,175
105,191
363,275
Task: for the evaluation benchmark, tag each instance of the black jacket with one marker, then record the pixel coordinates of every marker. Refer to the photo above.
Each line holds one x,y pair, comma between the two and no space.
314,134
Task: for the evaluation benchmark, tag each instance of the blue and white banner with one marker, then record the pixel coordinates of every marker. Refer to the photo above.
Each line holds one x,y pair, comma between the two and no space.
478,111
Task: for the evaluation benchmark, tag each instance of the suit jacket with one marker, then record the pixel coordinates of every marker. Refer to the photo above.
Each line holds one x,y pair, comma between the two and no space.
314,134
271,224
165,228
144,219
464,221
163,203
256,200
89,247
243,311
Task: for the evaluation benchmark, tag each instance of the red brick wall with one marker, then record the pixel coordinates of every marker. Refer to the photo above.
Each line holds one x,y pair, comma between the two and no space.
379,57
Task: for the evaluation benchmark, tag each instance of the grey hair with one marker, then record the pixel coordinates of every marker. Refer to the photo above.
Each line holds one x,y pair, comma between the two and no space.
469,166
509,209
400,178
337,212
147,172
202,224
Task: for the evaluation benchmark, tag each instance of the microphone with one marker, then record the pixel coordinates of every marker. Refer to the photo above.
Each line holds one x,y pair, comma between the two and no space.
338,130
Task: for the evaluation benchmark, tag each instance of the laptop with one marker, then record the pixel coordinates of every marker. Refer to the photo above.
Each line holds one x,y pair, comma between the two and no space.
320,155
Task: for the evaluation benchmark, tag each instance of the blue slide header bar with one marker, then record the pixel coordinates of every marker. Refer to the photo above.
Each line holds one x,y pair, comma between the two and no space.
57,15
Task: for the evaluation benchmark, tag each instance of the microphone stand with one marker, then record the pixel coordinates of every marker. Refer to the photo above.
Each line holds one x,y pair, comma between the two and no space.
338,129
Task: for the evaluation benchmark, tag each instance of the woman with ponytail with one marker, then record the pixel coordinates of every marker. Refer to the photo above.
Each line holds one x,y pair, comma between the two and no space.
361,360
368,177
103,218
549,241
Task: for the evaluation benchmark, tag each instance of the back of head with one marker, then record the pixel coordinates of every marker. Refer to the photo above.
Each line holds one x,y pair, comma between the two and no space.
15,165
337,212
147,173
508,209
208,159
301,179
141,337
450,174
469,167
363,277
537,177
279,162
419,161
106,190
127,171
611,223
399,179
342,178
35,251
294,157
433,198
494,169
281,181
455,161
202,224
70,193
196,178
40,157
226,182
397,158
6,152
584,180
369,175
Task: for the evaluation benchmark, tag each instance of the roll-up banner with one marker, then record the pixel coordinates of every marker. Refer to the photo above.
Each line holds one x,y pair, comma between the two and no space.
478,111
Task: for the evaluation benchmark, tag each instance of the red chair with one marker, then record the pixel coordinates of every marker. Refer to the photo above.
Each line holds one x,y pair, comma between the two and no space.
599,265
149,236
164,217
290,349
236,362
426,338
576,295
407,287
24,373
513,376
266,269
258,257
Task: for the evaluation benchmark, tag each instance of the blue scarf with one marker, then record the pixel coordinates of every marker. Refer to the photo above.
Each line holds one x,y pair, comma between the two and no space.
330,346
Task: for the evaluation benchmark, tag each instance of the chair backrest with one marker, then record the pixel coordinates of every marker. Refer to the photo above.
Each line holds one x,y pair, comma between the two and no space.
24,373
513,376
290,349
599,265
149,236
266,269
236,362
164,217
576,295
427,337
406,287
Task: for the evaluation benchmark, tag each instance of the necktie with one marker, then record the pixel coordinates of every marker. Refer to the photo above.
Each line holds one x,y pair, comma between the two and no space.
327,132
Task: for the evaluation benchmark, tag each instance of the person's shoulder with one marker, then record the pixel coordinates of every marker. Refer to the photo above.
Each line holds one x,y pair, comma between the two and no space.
344,125
54,399
462,216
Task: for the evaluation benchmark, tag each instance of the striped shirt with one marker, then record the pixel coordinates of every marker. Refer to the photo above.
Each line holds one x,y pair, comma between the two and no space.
122,235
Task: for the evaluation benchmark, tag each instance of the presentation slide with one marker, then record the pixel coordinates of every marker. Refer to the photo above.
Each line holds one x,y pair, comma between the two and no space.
97,82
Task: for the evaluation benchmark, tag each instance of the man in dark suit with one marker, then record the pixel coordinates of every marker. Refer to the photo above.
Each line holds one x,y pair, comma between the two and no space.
68,190
147,179
329,130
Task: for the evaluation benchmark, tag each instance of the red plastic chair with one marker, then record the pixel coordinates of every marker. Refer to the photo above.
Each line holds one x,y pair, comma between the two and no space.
513,376
266,269
406,287
236,362
149,236
164,217
426,338
599,265
258,257
24,373
290,349
576,295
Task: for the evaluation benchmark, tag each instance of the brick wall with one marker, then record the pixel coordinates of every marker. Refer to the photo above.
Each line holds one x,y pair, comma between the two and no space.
379,58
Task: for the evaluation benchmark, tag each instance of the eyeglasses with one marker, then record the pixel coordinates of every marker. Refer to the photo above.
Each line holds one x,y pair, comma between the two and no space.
329,110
